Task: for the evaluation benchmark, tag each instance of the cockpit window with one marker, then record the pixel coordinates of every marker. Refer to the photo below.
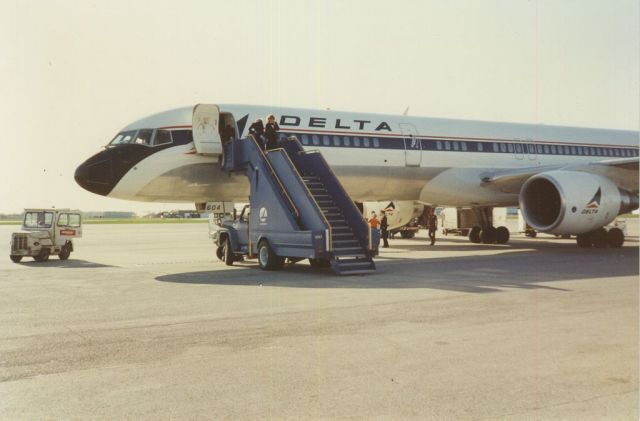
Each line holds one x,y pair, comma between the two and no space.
144,137
162,137
38,219
123,138
182,137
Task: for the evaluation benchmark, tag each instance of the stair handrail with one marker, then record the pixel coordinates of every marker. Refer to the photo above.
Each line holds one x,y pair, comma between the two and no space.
263,155
308,192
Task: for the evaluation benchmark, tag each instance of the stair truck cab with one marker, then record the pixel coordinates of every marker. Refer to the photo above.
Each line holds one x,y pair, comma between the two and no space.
45,232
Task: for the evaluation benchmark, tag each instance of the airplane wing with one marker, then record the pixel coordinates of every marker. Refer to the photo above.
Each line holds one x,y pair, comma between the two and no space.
623,172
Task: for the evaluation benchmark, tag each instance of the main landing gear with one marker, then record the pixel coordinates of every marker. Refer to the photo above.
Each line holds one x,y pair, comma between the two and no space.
485,232
601,238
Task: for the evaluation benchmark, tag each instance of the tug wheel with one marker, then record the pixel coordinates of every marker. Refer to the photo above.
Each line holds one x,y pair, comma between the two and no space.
267,259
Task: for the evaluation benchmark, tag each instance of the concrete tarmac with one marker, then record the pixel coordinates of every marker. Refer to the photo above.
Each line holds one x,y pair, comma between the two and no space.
143,322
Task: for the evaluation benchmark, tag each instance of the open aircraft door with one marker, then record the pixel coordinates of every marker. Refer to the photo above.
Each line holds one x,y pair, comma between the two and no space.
206,136
412,145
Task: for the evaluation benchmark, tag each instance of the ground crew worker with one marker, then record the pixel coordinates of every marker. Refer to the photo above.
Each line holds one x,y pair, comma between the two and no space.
374,223
433,226
384,234
271,132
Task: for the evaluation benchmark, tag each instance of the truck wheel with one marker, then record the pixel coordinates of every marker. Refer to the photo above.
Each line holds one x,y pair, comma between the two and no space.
15,259
220,252
64,253
407,234
267,259
228,252
43,256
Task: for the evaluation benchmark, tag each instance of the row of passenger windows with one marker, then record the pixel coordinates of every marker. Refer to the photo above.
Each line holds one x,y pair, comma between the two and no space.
151,137
464,146
325,140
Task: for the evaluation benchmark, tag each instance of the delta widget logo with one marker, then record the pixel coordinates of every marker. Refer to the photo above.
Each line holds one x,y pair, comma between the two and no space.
593,204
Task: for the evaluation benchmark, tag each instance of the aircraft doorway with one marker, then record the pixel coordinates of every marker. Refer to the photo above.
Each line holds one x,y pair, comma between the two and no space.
412,145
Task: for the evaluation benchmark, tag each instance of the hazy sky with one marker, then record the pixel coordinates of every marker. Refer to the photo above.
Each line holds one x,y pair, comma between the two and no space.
72,73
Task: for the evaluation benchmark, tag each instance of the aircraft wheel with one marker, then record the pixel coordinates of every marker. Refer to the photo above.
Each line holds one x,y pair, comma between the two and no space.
488,236
15,259
599,238
227,252
64,253
502,235
474,234
584,240
43,256
267,259
615,237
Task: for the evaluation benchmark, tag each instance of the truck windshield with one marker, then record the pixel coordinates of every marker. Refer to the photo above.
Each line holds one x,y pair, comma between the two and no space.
38,219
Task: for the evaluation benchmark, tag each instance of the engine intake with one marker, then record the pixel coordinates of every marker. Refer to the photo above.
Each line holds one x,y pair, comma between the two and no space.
572,202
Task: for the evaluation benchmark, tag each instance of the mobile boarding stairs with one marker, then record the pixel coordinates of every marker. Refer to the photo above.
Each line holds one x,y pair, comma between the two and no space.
298,210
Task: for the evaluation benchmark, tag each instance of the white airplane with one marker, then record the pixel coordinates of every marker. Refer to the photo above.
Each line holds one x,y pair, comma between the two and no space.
566,180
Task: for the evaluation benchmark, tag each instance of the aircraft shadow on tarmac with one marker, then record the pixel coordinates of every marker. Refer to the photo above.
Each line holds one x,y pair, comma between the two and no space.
65,264
515,267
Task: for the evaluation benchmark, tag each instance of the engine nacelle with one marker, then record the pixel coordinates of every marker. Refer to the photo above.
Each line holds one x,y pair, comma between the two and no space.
572,202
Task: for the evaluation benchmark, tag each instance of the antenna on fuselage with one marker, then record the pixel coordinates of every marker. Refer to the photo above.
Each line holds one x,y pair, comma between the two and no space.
406,111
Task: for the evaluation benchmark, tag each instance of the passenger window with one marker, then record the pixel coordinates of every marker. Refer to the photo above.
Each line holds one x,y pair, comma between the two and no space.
463,146
479,145
346,141
162,137
439,145
510,147
567,151
366,142
496,148
376,142
518,148
617,152
447,145
356,141
605,152
144,137
573,150
546,149
336,141
305,139
316,139
503,147
539,148
553,149
456,146
326,141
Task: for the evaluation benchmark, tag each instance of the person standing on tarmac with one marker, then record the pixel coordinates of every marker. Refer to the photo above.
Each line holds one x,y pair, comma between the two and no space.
257,131
271,132
384,233
433,226
374,223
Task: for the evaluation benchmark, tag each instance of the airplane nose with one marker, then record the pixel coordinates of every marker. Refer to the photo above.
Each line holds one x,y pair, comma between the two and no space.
96,175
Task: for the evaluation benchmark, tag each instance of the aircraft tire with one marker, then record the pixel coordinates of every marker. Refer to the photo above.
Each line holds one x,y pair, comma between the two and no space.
15,259
43,256
227,252
584,240
615,237
599,238
502,235
474,234
488,236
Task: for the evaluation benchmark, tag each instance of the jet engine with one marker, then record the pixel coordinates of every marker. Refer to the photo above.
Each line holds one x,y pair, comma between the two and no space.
572,202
